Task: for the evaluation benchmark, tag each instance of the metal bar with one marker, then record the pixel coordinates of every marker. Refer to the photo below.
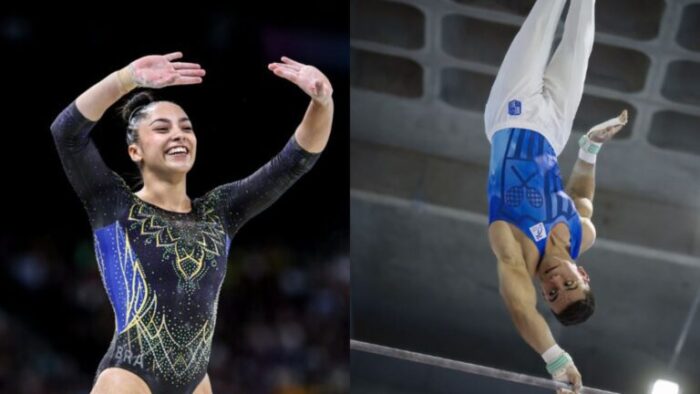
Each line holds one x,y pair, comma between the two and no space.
465,367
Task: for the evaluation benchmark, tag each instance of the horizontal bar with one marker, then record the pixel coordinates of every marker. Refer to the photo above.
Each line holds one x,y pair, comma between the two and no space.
465,367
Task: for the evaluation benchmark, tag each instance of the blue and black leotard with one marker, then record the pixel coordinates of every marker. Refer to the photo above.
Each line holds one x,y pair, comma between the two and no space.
525,188
163,270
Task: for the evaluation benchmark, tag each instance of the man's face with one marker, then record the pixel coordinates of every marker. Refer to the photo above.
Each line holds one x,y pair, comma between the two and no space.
562,283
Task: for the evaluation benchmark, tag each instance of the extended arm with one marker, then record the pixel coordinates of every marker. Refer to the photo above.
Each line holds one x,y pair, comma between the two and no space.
520,298
517,290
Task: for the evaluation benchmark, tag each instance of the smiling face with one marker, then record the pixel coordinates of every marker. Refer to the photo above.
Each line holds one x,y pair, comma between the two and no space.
562,282
166,143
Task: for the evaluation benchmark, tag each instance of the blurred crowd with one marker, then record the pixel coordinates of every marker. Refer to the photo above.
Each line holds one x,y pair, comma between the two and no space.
282,326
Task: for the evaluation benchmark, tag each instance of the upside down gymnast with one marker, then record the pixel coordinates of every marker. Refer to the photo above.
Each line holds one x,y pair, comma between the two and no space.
538,228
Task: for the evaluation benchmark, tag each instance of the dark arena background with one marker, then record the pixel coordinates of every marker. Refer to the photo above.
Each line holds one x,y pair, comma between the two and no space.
283,309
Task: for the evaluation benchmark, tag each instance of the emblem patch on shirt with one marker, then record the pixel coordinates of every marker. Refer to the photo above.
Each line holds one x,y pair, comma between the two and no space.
514,107
538,232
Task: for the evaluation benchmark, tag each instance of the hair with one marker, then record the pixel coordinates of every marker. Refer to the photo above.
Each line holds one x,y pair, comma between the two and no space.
133,111
577,312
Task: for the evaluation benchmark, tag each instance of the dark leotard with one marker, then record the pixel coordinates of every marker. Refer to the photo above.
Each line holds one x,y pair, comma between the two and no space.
163,270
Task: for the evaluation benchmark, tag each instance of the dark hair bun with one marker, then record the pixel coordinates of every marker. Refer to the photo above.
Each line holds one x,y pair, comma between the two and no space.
140,99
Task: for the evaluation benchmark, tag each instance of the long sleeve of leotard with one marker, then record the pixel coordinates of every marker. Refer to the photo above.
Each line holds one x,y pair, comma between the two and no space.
99,188
241,200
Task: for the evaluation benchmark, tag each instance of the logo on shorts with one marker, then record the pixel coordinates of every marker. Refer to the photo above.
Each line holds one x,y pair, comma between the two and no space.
538,232
514,107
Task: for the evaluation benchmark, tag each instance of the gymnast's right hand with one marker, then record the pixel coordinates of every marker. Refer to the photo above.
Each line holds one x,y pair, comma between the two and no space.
159,71
568,374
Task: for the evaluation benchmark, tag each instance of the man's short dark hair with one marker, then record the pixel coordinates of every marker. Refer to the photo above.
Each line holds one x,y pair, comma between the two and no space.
578,312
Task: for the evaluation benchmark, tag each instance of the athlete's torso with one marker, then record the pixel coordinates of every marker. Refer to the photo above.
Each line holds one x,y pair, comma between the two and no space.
525,188
163,271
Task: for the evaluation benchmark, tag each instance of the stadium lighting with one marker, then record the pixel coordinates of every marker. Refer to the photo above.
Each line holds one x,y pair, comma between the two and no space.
664,387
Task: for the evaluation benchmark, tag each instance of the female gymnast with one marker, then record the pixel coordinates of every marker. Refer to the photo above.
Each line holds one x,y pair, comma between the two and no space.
162,255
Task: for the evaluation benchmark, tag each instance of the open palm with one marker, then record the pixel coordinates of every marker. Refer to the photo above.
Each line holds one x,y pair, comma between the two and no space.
159,71
309,79
608,129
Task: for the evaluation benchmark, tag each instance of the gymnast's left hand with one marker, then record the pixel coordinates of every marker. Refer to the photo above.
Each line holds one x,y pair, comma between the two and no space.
309,79
604,134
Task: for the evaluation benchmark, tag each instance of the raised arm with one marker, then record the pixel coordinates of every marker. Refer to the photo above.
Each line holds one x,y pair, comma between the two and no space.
243,199
581,184
313,131
96,185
